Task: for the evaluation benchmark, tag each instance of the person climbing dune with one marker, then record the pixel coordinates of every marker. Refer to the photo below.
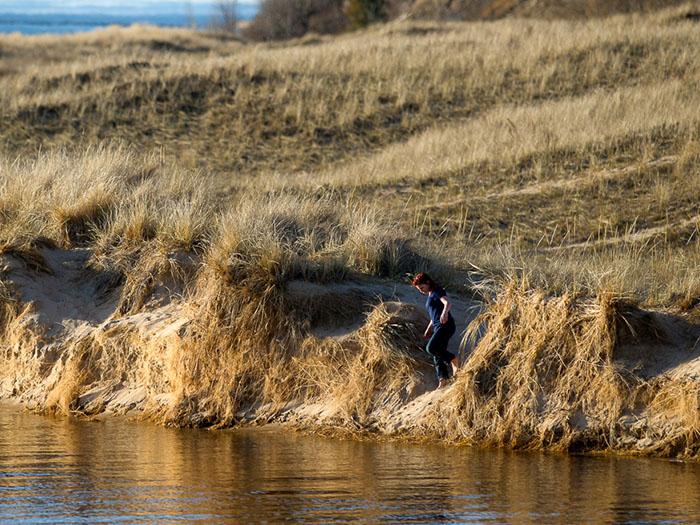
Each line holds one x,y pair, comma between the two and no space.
442,326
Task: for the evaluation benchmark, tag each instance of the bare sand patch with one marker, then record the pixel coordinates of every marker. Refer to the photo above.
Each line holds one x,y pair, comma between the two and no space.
546,373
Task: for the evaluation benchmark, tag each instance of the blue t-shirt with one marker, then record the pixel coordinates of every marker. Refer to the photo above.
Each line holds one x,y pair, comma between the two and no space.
435,306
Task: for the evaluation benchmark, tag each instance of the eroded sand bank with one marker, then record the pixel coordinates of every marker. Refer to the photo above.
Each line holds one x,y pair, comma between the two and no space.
595,375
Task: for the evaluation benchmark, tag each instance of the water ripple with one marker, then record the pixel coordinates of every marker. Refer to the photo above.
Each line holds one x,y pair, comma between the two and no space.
66,471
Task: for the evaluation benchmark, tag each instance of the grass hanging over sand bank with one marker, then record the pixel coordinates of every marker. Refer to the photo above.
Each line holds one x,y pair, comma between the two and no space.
149,245
208,232
267,307
577,374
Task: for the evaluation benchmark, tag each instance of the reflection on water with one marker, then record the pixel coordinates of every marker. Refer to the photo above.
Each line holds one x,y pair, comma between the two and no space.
60,470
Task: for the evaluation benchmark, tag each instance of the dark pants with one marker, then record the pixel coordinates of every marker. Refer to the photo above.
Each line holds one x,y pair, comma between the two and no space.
437,348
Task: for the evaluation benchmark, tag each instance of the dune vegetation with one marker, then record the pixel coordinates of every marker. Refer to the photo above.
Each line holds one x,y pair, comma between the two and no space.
209,231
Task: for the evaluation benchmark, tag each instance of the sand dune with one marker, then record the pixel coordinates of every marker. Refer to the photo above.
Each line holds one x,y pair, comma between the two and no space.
75,353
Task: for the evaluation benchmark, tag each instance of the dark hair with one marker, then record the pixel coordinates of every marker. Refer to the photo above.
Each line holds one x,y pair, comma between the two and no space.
424,278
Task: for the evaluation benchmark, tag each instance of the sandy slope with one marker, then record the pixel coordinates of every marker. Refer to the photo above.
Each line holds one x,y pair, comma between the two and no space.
74,302
70,306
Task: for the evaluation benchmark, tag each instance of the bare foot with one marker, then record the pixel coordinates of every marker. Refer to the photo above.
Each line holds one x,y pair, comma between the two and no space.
443,383
455,366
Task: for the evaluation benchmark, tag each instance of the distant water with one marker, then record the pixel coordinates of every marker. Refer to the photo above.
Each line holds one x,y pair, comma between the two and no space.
45,16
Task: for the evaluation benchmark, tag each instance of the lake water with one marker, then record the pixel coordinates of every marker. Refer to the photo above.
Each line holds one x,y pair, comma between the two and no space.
56,470
58,16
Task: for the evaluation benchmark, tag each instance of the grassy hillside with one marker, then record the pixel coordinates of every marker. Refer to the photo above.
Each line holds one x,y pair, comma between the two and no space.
568,151
190,225
551,9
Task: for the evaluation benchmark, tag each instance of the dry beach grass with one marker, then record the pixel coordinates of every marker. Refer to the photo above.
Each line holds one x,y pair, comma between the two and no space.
211,231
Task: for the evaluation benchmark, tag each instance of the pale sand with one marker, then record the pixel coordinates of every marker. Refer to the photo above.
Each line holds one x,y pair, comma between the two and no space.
76,303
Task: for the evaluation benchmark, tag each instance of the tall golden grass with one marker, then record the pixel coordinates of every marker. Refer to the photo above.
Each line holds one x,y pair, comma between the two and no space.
227,263
547,373
563,153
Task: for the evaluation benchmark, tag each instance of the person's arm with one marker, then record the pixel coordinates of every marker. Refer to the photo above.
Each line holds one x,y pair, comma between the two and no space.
426,334
444,317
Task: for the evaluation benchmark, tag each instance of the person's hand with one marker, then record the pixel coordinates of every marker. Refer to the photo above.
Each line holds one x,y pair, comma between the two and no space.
444,317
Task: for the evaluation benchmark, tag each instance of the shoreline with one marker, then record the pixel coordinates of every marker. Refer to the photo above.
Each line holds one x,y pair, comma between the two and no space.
347,434
208,232
70,366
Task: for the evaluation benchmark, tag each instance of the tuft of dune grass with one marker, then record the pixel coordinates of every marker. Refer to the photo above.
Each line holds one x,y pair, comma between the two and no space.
380,369
544,375
565,153
245,346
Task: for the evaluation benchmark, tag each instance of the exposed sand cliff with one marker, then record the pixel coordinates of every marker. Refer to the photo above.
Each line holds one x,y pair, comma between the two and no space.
561,373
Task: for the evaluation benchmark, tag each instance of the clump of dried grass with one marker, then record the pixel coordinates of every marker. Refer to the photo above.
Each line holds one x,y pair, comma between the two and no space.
24,364
30,256
9,304
543,374
245,346
120,358
381,367
78,370
235,351
105,197
674,405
